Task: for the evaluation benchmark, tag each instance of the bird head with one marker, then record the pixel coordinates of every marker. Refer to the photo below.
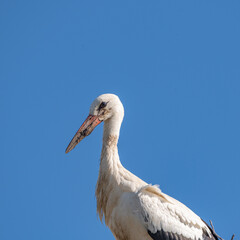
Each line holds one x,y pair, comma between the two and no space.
103,108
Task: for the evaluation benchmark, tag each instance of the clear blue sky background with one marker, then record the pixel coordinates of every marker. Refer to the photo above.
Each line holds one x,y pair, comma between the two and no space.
176,67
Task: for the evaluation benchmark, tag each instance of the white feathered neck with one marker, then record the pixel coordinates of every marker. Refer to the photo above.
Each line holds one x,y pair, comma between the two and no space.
113,178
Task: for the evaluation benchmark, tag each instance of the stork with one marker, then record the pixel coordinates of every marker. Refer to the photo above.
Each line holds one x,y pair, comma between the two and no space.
131,208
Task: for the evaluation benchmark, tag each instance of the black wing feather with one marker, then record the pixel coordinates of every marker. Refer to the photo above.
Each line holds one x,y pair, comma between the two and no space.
162,235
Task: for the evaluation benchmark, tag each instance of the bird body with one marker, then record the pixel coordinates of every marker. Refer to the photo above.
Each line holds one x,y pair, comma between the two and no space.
131,208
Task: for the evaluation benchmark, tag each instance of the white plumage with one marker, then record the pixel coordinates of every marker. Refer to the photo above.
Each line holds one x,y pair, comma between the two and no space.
133,209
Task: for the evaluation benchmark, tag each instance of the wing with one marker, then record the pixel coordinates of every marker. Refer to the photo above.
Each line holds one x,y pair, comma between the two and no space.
167,219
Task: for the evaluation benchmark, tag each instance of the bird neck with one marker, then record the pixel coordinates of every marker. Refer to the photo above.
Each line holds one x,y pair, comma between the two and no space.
113,178
110,162
111,128
110,165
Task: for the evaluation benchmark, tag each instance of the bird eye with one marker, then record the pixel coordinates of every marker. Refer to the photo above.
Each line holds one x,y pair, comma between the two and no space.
102,105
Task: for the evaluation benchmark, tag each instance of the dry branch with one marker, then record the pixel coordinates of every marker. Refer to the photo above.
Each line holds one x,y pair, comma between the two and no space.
215,234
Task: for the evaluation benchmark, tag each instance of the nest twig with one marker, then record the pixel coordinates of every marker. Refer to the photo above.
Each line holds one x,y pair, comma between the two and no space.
217,237
215,234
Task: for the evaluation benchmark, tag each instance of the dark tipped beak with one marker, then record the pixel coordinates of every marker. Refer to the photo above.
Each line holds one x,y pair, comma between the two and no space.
87,127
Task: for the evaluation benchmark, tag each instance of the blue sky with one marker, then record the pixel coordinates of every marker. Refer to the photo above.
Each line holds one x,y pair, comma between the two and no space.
174,65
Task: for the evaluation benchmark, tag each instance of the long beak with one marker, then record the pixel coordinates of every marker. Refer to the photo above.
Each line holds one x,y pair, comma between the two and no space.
87,127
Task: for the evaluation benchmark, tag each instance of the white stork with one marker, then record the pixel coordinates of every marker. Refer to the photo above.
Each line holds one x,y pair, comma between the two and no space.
133,209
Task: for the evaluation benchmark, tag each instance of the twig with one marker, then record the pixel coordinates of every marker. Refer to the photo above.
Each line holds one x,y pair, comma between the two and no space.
213,230
212,226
